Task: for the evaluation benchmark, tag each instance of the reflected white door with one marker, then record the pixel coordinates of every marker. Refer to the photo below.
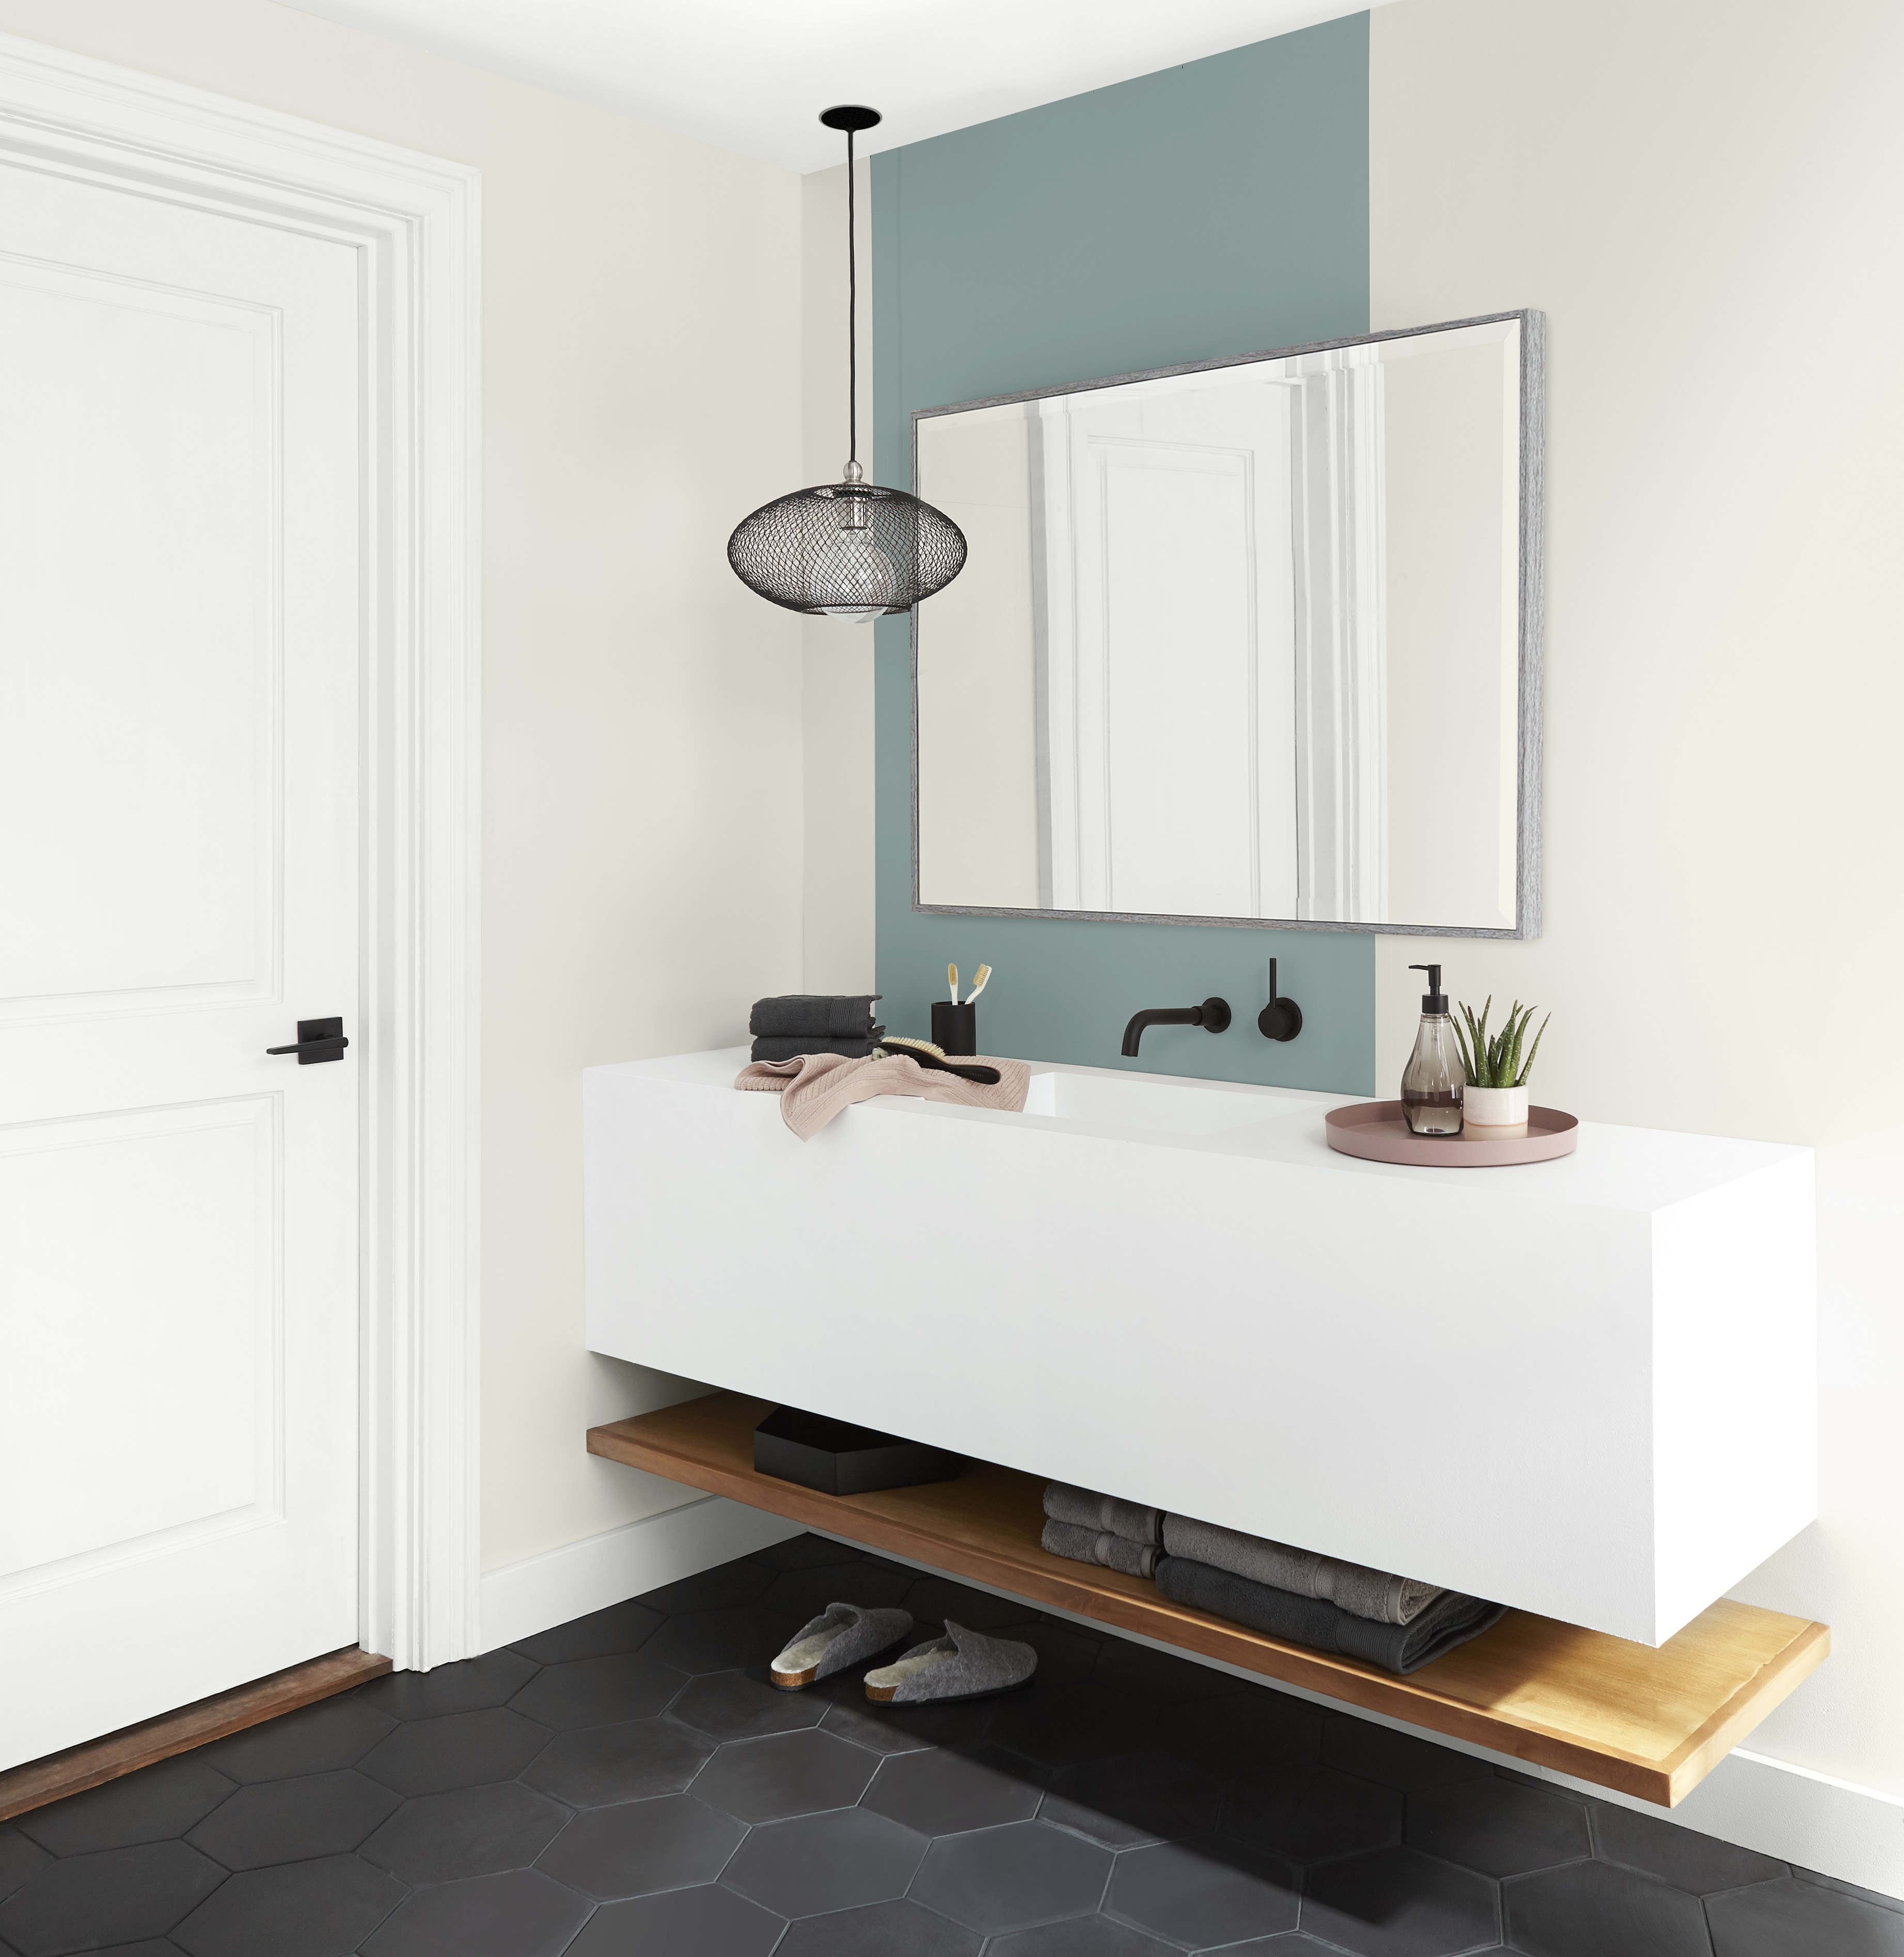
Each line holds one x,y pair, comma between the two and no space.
179,632
1170,680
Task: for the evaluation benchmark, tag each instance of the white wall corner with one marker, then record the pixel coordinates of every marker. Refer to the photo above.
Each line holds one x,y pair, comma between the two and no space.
522,1599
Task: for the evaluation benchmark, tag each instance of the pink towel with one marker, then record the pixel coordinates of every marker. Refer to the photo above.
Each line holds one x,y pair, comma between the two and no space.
813,1087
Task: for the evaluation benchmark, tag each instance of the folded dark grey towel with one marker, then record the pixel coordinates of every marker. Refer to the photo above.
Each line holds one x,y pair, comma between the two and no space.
1451,1619
1131,1520
1362,1592
790,1046
1101,1547
813,1015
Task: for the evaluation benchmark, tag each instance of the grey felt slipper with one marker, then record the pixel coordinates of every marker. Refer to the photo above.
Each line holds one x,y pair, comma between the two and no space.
962,1665
844,1634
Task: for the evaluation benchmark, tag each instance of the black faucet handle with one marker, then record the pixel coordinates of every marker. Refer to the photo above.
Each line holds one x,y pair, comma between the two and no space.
1281,1019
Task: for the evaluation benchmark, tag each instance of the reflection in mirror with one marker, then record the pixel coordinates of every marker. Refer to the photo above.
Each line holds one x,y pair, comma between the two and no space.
1244,642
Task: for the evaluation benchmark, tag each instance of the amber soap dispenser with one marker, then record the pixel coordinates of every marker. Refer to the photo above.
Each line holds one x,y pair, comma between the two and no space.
1434,1076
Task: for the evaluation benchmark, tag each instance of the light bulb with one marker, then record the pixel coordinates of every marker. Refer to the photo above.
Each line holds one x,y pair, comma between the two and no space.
855,569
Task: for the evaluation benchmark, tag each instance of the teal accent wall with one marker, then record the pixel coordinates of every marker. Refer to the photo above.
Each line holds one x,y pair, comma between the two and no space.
1216,208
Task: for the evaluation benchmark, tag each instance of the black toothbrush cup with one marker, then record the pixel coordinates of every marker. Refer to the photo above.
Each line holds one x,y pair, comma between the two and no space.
955,1029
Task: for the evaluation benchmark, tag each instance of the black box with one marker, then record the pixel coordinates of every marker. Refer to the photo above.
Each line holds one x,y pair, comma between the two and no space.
838,1458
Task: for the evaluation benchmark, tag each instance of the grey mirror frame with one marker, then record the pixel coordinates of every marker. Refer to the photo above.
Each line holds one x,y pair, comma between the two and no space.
1533,395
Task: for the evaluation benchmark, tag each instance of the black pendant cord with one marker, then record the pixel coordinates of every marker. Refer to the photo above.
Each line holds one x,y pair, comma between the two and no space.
852,320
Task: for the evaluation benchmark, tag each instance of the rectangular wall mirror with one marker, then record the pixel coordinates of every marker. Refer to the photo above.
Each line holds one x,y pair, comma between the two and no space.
1254,642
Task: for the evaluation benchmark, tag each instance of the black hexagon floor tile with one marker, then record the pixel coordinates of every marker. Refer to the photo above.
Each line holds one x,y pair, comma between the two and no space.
1307,1813
1059,1725
939,1791
1398,1902
1396,1759
880,1930
796,1596
294,1821
1003,1878
700,1641
1588,1909
1501,1827
519,1914
460,1749
704,1921
621,1627
738,1706
805,1772
323,1908
1135,1797
466,1831
158,1804
1240,1738
742,1581
898,1729
119,1896
492,1680
20,1860
1790,1918
315,1739
599,1691
804,1552
641,1846
1079,1936
1204,1894
1700,1864
820,1863
632,1761
1838,1882
1156,1675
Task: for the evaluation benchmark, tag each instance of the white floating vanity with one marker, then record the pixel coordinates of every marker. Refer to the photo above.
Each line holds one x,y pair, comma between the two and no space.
1584,1388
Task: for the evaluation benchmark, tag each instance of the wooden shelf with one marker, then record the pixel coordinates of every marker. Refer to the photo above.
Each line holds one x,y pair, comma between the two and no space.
1651,1724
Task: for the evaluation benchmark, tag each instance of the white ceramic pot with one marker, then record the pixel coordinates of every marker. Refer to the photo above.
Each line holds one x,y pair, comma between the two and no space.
1493,1113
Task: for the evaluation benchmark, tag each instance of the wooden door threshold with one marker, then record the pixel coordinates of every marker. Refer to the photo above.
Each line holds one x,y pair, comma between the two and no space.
1649,1723
38,1782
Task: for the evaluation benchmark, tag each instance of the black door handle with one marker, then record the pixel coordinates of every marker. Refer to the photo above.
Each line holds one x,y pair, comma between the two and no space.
318,1040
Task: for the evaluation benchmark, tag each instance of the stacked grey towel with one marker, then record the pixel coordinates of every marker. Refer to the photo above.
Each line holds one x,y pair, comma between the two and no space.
1090,1527
1450,1619
1398,1623
798,1022
1363,1593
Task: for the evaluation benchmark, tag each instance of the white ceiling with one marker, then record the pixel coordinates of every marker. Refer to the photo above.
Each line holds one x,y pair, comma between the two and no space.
752,75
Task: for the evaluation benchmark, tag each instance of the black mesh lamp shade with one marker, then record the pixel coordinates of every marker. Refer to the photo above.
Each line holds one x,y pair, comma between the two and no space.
848,549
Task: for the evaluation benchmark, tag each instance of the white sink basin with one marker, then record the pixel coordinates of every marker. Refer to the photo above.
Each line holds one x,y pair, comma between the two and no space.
1157,1107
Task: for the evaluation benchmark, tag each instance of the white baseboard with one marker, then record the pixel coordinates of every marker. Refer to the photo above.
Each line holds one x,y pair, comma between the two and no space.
522,1599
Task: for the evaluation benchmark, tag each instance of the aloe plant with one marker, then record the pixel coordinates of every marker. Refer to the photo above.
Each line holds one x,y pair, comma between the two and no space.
1497,1062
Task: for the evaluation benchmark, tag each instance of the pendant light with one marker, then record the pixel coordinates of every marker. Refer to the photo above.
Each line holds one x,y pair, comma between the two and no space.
848,549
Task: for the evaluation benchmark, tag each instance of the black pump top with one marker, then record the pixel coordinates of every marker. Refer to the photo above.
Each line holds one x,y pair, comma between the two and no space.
1435,999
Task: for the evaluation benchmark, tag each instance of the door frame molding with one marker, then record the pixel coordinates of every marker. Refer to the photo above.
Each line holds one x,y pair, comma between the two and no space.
415,221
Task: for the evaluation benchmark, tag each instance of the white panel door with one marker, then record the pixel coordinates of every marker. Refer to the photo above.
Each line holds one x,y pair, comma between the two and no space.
180,622
1172,687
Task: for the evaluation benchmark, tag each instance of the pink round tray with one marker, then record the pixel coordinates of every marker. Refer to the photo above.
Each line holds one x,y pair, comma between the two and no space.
1377,1131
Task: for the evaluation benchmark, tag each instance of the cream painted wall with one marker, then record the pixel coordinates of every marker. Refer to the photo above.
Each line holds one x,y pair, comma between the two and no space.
836,657
643,760
1703,196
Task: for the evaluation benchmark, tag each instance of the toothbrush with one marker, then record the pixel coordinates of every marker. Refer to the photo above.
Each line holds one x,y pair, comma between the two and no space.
952,979
983,973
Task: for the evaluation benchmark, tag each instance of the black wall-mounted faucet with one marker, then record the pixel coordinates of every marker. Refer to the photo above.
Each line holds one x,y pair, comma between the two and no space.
1213,1016
1281,1019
